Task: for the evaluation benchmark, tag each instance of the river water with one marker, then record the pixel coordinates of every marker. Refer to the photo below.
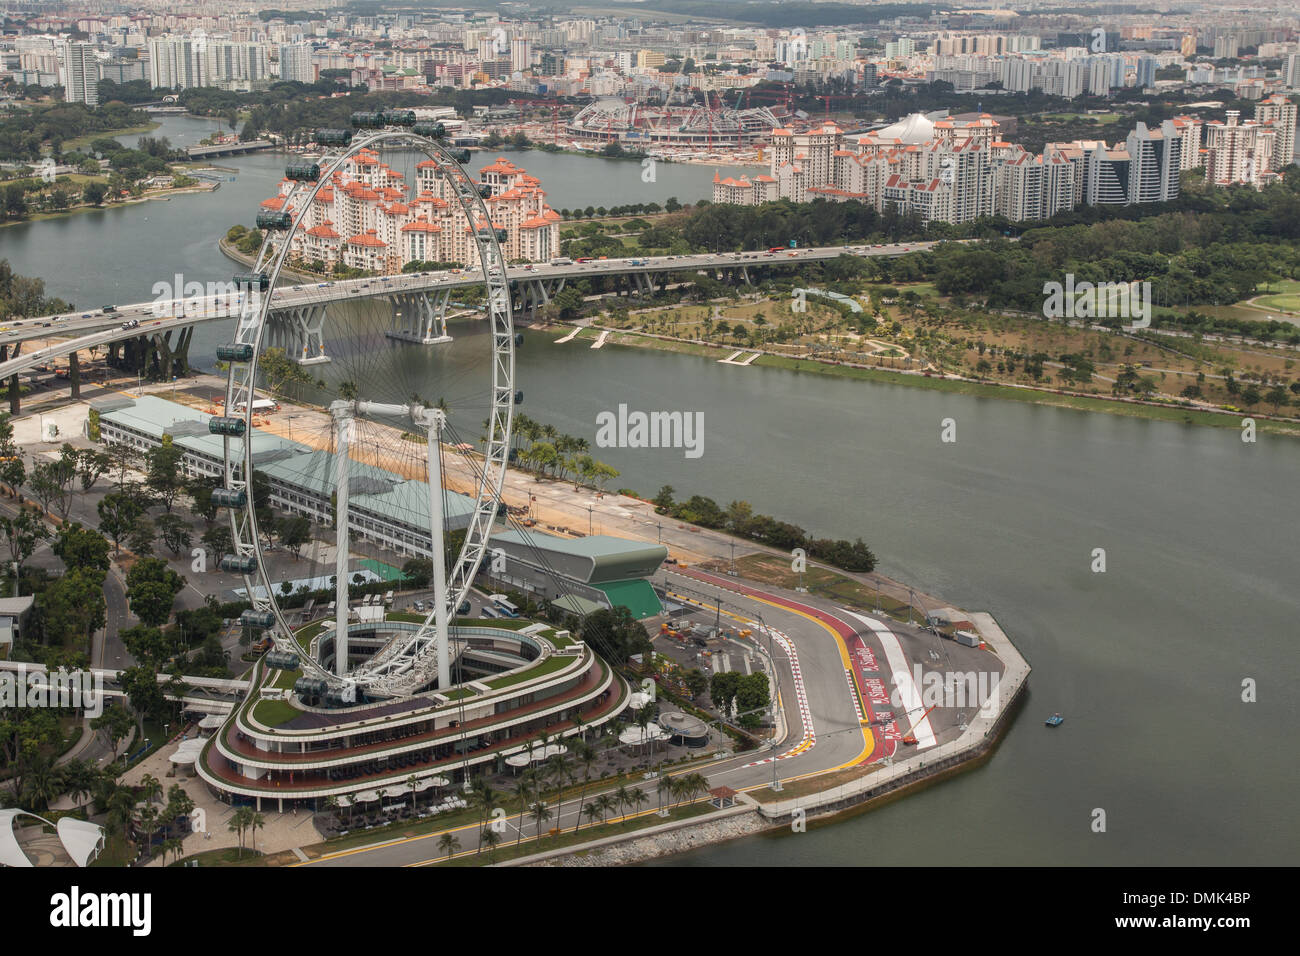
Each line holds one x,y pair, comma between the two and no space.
1146,660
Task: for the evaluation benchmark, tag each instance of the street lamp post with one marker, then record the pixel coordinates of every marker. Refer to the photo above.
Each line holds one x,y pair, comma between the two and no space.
589,508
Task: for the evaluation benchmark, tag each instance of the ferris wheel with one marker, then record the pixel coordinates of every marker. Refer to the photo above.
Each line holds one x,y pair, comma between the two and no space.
380,395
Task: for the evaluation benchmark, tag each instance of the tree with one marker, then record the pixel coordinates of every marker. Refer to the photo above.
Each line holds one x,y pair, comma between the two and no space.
489,838
125,458
114,723
142,535
219,541
94,193
752,695
240,821
449,844
145,643
294,532
616,633
82,548
27,735
175,532
72,608
723,688
164,477
51,482
200,492
146,697
151,587
118,512
91,466
13,473
418,572
22,533
540,813
278,370
663,501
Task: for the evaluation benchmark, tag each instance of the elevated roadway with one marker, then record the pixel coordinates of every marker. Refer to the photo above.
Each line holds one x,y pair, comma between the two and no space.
80,331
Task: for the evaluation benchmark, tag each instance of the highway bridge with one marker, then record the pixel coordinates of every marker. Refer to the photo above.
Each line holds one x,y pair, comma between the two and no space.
163,327
228,149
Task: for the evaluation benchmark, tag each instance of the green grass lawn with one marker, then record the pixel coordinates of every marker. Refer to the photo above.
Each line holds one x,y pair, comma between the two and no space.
70,145
273,713
287,679
548,666
1282,302
229,856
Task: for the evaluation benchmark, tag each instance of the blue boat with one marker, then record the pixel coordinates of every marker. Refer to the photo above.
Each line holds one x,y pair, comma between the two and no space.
1055,720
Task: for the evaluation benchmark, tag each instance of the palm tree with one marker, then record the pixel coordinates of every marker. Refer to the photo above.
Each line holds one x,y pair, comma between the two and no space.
448,843
586,757
171,847
636,796
79,780
663,787
523,793
411,782
561,771
332,804
606,803
621,797
541,813
256,822
591,811
150,787
42,785
490,838
240,821
148,824
121,809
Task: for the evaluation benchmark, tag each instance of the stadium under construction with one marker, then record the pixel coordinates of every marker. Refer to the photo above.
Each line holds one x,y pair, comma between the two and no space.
612,120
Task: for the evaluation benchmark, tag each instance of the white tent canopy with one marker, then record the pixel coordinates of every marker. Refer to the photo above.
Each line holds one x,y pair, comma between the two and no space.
211,722
81,840
525,757
366,796
187,752
635,735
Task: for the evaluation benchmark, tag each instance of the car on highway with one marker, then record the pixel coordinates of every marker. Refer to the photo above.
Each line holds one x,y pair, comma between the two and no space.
131,324
85,315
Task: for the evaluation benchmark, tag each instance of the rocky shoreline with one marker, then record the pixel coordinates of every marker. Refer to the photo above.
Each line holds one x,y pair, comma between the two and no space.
653,846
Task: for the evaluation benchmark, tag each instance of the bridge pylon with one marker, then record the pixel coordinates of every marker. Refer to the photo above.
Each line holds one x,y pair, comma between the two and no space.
299,331
420,317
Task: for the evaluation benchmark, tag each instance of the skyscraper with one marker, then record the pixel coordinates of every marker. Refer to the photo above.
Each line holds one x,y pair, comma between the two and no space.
1155,160
80,74
1280,113
295,63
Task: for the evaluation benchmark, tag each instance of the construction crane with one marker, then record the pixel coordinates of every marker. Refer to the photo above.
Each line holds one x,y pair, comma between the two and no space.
554,105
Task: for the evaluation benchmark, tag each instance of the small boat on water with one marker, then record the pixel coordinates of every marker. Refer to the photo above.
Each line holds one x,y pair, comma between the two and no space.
1055,720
